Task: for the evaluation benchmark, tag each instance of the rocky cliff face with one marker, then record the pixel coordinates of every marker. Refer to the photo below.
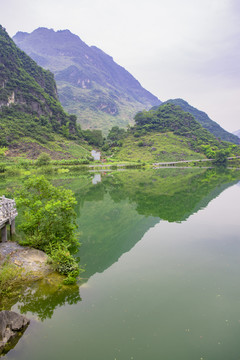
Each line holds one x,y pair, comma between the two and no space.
90,84
28,97
22,82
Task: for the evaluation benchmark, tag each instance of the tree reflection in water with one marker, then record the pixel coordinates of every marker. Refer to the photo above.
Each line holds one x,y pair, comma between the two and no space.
46,295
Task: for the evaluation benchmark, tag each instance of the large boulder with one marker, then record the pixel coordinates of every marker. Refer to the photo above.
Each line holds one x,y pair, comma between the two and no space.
11,324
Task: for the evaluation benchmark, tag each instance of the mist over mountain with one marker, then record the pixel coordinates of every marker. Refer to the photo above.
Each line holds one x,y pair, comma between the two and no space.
237,133
90,84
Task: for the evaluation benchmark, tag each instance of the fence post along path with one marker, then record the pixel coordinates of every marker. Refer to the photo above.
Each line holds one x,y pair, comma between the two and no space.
8,212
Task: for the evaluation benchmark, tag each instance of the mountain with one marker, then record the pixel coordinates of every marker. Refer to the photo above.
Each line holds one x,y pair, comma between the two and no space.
237,133
31,115
90,84
205,121
171,117
168,133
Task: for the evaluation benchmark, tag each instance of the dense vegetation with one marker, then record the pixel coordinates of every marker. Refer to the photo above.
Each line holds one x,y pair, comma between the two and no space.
28,98
205,121
154,147
29,106
164,134
48,223
29,89
171,118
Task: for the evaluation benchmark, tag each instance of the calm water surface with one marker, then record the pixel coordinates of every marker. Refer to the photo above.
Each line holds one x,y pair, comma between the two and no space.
161,280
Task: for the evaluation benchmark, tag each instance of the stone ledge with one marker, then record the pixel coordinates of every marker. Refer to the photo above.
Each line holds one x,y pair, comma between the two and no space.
11,327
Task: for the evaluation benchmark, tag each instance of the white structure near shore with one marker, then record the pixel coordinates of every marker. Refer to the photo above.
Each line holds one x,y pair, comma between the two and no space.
96,154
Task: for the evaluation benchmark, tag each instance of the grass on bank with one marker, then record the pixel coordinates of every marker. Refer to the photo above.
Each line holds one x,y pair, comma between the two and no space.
11,281
58,148
156,147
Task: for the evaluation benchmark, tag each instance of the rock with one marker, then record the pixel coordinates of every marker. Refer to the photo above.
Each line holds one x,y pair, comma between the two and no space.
18,263
11,324
32,261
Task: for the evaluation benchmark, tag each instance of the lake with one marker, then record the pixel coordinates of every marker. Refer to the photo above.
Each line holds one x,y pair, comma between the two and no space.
161,254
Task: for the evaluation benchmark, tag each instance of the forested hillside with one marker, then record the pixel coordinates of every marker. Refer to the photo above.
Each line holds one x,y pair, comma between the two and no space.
169,134
205,121
31,115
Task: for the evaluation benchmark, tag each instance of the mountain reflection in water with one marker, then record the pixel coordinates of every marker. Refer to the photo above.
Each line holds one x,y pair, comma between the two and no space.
114,214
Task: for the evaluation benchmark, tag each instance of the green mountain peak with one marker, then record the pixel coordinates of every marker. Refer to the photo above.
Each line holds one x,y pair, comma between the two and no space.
205,121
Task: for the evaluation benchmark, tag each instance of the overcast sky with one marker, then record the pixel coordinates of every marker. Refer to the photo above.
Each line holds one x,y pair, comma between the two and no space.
186,49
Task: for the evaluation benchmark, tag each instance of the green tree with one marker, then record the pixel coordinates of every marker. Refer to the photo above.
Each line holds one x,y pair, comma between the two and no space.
94,137
48,222
221,157
3,150
116,133
43,159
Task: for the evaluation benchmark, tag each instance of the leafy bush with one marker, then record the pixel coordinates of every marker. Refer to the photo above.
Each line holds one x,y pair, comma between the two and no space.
24,163
10,278
43,159
220,158
70,162
49,222
12,171
2,167
63,261
3,151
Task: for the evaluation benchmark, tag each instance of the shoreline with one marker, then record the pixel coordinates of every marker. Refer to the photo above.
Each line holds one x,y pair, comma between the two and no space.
30,260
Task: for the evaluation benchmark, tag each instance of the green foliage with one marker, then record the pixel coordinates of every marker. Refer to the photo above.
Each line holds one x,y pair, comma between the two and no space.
71,162
24,164
106,147
156,147
43,159
171,118
213,152
205,121
2,167
220,158
49,221
63,261
115,136
30,106
3,151
12,170
10,278
93,137
208,151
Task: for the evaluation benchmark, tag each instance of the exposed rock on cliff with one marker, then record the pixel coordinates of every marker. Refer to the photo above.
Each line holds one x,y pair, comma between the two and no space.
90,83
